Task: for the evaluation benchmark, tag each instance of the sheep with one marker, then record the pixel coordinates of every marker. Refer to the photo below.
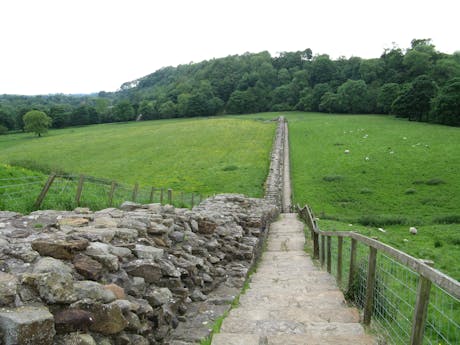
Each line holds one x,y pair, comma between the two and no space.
413,230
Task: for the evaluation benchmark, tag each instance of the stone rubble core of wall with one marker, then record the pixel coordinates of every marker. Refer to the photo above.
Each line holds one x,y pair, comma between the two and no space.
141,274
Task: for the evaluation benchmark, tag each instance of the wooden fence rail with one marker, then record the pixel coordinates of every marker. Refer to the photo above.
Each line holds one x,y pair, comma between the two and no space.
427,274
113,186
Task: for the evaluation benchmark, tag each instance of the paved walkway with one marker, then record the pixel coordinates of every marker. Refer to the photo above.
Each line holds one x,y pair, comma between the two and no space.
290,301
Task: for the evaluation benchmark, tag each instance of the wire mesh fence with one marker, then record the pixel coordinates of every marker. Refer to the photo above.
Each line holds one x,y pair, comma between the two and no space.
396,292
19,193
67,192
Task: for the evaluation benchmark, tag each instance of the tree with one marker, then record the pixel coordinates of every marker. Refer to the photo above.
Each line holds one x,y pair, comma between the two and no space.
36,121
323,70
330,103
415,101
353,97
446,105
386,96
123,111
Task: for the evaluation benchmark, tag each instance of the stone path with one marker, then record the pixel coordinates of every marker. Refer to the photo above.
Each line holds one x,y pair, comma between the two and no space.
290,301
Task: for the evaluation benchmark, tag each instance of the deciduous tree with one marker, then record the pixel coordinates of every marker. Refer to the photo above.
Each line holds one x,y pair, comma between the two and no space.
36,121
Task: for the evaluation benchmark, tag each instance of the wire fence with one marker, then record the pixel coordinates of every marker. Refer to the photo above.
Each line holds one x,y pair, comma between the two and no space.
398,289
66,192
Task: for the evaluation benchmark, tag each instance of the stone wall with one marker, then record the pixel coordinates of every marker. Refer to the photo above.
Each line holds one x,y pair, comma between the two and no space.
142,274
275,182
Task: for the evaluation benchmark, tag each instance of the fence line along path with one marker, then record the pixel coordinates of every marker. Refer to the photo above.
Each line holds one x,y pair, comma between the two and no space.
291,301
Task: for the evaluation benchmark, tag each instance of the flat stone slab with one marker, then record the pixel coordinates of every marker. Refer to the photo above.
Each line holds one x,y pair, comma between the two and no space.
290,300
250,339
283,327
235,339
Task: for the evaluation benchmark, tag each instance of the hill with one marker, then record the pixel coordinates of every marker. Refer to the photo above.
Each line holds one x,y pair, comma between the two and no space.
419,83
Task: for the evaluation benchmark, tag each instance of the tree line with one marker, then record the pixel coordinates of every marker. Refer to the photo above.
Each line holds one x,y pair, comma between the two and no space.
418,83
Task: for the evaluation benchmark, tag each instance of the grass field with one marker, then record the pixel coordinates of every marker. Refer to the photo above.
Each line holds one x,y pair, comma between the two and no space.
200,155
397,174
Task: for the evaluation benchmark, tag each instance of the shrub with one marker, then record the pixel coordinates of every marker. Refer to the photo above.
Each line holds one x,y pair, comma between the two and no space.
381,220
36,166
410,191
448,219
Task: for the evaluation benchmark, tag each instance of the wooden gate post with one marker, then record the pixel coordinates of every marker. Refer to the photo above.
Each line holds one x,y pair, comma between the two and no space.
323,250
112,192
315,245
329,258
353,265
161,196
339,260
44,191
170,200
421,308
135,191
152,194
79,189
369,303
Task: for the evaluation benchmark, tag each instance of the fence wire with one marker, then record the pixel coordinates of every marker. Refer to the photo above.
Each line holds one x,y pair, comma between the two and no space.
395,294
20,194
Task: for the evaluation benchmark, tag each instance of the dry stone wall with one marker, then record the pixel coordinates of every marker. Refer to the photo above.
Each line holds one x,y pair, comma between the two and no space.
275,181
142,274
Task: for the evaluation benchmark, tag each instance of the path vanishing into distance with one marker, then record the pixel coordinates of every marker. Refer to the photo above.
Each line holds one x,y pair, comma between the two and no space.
291,301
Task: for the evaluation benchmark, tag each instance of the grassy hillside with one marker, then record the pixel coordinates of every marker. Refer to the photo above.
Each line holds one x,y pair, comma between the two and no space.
397,174
203,155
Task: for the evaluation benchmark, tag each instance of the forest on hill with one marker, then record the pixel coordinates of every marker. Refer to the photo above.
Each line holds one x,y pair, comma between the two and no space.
418,83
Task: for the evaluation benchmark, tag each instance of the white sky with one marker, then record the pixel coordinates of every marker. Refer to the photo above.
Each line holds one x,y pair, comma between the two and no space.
84,46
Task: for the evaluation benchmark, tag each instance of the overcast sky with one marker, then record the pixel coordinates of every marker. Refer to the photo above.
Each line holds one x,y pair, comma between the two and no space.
84,46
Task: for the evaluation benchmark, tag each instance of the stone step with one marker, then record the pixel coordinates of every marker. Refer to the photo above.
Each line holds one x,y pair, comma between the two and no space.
325,298
285,327
307,278
290,300
292,289
303,315
253,339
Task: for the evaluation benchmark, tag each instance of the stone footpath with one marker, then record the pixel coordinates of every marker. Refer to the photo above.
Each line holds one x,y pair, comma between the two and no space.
290,301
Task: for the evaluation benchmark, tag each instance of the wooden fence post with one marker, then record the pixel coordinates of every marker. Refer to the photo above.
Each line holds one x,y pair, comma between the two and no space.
79,189
315,246
421,309
112,192
329,258
135,191
369,302
193,200
44,191
170,197
339,260
323,250
353,265
152,194
161,196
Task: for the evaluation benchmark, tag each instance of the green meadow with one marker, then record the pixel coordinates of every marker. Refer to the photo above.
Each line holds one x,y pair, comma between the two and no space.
365,172
357,172
193,155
